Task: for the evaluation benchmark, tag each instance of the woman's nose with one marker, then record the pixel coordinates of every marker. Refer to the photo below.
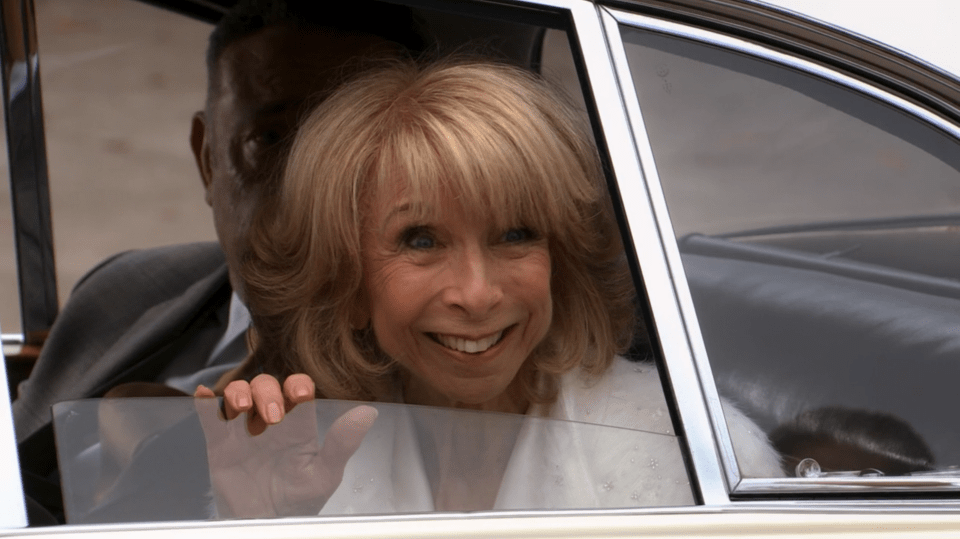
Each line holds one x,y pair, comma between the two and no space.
475,286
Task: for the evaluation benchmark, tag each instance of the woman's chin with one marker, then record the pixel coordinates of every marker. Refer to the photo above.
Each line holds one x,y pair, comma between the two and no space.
494,397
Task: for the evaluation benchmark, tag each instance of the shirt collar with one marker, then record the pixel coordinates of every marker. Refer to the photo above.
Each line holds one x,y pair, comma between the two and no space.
238,320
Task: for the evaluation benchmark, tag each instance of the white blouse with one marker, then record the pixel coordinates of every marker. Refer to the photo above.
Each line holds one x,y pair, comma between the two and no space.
603,444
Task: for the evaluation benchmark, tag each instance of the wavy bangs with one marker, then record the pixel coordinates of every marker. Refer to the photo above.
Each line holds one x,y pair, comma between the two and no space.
474,138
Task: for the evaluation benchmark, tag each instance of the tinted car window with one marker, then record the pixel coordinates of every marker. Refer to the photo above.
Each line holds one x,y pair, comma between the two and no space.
817,228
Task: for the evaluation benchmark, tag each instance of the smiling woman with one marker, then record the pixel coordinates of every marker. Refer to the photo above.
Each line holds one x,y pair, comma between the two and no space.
466,200
440,237
459,303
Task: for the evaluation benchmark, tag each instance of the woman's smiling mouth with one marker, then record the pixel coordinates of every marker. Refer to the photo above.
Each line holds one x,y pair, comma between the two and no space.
461,344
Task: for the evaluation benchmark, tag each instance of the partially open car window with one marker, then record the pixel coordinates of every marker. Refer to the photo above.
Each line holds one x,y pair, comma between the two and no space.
106,446
136,460
817,229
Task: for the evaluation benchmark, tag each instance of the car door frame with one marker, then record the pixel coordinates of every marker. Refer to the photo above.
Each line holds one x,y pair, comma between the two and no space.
930,101
688,383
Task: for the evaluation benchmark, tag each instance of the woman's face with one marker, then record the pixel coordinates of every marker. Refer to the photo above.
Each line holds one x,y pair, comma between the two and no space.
459,302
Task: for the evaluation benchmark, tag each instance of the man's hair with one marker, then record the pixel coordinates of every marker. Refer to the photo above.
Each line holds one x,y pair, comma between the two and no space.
498,139
392,22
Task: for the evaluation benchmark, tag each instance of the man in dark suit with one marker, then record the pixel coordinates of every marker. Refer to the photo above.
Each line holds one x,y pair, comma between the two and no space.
175,314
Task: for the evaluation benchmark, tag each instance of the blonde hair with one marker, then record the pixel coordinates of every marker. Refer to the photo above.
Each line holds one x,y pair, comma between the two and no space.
497,138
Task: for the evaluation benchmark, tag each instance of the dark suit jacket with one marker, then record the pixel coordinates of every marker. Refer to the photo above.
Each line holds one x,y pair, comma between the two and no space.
124,322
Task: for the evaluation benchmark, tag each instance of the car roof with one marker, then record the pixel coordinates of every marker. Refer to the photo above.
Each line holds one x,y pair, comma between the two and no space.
926,30
787,31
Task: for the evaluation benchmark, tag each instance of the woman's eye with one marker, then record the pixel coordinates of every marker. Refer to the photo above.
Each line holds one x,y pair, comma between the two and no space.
419,238
520,234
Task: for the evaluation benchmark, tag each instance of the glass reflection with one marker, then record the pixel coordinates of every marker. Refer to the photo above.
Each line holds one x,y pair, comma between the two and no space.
817,228
127,460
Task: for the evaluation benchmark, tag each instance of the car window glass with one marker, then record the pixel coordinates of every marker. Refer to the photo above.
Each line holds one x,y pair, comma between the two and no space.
557,65
622,449
115,471
120,81
872,161
817,228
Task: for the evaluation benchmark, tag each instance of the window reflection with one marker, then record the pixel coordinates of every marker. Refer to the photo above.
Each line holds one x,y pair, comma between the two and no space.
817,229
116,474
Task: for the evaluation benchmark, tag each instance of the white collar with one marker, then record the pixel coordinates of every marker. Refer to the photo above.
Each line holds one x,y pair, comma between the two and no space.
237,323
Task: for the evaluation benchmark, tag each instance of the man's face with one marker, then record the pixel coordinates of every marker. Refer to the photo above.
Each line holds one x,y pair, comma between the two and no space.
265,82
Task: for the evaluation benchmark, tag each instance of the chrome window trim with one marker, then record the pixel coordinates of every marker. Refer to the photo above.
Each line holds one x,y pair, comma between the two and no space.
740,485
836,27
630,170
29,188
759,51
851,485
705,468
13,511
704,375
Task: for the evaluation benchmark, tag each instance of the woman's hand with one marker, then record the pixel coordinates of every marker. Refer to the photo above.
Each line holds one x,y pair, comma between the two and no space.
284,470
262,399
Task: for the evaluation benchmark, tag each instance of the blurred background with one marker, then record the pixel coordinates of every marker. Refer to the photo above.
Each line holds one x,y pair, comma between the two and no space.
120,83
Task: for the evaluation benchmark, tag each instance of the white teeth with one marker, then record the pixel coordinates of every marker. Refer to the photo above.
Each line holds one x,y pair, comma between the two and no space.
468,346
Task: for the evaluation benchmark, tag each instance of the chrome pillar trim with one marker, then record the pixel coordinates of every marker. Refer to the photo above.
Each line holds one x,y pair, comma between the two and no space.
859,485
613,20
739,484
835,506
631,171
752,49
28,169
14,510
589,32
706,473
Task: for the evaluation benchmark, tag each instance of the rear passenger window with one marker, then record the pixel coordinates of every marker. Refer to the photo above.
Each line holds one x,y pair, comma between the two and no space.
818,229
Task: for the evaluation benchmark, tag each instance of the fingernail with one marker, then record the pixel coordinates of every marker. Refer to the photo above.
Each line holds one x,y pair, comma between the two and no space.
243,401
301,392
273,413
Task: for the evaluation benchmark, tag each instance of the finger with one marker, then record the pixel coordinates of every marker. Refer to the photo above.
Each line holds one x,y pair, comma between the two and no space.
267,398
298,388
237,398
344,437
203,392
299,426
208,411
